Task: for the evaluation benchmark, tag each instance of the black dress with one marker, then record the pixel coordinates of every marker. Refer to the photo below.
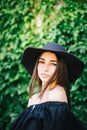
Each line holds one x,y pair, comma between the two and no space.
47,116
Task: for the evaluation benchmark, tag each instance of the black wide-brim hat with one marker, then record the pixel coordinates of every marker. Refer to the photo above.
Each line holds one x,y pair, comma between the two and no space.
74,65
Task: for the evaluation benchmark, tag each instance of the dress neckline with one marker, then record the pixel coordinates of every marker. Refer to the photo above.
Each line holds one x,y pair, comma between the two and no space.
48,103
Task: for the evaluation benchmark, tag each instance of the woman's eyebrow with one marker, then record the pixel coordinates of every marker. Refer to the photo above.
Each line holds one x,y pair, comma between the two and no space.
53,60
41,58
50,60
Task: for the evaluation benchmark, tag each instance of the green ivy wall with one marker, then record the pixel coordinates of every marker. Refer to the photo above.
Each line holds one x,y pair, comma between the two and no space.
26,23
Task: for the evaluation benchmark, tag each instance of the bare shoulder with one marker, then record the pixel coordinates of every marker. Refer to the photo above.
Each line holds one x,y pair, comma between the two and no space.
32,100
58,94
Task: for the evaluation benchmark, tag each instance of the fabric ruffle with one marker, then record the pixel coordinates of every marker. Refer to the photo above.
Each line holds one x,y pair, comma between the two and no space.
47,116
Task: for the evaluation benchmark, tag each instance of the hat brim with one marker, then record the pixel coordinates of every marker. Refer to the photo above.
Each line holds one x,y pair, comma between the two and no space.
74,65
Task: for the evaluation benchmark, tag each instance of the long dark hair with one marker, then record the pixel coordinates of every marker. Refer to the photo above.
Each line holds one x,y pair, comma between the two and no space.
60,76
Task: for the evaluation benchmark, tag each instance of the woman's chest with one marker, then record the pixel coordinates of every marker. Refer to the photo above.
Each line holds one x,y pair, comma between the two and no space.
44,98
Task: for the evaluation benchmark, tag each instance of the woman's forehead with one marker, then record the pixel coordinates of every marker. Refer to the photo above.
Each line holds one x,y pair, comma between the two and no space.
49,55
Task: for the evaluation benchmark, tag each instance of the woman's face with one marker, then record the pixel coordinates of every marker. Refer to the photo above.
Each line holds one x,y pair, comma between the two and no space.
47,66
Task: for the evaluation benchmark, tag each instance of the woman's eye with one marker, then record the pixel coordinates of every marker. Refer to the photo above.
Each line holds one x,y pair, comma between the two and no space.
42,62
54,64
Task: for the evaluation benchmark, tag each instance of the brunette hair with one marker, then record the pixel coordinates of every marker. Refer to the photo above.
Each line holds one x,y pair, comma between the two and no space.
60,76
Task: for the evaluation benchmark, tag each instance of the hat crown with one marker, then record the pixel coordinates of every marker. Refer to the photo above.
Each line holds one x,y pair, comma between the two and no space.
54,47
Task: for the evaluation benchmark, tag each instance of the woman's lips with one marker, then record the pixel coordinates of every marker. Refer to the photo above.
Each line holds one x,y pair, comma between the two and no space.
45,75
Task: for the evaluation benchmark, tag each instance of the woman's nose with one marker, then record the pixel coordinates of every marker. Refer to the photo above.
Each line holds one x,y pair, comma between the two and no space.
46,67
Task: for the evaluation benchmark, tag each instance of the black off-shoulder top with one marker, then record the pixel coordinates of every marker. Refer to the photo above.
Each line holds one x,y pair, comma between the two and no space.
49,115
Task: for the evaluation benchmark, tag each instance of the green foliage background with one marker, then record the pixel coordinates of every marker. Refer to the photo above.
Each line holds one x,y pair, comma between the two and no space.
33,23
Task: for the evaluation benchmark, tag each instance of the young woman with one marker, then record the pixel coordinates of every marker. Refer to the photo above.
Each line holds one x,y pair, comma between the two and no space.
52,69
